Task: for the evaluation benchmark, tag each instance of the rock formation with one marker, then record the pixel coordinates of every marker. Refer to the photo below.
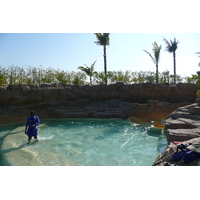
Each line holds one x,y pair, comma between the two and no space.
149,102
182,125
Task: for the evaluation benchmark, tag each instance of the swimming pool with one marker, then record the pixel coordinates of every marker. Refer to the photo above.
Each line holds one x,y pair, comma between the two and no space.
92,142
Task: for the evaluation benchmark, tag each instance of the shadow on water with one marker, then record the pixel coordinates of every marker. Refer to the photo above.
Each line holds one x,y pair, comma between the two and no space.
3,152
8,128
13,149
154,132
9,133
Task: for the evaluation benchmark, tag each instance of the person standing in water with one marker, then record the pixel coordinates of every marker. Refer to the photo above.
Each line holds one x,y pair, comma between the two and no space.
31,126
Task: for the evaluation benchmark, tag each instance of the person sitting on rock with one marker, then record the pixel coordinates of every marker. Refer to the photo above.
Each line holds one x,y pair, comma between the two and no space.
31,126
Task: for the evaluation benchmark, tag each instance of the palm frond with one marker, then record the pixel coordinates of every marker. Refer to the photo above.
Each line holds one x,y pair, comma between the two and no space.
103,39
92,66
168,45
88,70
150,55
171,46
156,50
98,36
85,69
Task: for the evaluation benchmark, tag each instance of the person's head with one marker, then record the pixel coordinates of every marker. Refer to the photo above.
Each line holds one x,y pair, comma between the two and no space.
32,113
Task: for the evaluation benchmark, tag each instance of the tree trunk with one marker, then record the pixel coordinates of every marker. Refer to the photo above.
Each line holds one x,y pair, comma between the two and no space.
157,73
174,56
90,80
105,67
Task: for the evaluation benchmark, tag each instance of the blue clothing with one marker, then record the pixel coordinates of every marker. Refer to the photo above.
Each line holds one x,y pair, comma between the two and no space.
190,156
32,121
187,155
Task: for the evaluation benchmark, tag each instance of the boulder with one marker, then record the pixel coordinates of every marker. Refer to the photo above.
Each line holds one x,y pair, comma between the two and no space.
183,124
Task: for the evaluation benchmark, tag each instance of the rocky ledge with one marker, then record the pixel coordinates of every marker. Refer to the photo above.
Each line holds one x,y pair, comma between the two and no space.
183,126
148,102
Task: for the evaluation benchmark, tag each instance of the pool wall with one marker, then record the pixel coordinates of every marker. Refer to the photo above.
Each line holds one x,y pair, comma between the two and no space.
146,101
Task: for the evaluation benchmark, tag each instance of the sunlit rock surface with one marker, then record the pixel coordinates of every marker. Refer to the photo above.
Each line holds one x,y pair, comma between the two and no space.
146,101
183,124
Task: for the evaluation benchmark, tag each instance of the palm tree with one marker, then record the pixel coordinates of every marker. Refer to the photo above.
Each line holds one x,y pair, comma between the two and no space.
88,70
156,53
103,40
171,48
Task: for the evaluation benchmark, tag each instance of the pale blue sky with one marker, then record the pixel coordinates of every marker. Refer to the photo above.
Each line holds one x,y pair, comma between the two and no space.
67,51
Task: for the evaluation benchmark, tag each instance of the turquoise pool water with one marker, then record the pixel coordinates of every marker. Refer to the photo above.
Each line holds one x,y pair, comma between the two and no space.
4,130
99,142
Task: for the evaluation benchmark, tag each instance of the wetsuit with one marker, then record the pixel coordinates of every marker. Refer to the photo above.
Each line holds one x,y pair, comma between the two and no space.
32,131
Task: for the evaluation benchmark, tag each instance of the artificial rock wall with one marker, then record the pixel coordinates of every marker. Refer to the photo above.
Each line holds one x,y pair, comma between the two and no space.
146,101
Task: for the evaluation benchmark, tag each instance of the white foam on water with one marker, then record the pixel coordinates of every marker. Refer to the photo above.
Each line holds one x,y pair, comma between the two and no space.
45,138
